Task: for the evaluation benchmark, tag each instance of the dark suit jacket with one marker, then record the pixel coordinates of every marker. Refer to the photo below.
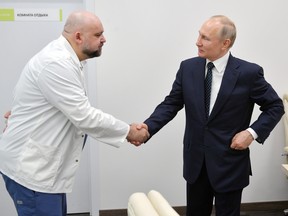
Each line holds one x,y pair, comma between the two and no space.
243,85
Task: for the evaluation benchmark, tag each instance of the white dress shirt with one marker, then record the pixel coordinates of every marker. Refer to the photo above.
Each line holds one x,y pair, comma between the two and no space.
42,145
217,74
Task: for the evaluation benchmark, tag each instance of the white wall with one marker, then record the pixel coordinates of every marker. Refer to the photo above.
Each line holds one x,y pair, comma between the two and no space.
146,40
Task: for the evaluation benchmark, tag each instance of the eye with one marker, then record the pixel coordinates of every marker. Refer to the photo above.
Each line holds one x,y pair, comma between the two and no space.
100,34
205,38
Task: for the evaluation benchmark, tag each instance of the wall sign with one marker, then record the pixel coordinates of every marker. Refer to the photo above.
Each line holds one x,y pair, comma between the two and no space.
32,14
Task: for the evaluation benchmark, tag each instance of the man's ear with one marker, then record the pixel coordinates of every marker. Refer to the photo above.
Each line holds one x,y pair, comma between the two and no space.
226,43
78,37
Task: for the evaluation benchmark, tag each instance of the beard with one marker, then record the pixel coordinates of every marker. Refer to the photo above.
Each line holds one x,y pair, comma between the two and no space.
92,53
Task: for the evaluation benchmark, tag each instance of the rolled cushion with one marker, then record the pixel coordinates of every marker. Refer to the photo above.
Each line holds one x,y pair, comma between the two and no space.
139,205
161,205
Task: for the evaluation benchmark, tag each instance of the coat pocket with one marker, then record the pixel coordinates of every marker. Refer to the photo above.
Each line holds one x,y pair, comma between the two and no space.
39,163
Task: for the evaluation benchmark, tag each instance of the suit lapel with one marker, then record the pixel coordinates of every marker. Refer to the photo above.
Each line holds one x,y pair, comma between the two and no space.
228,83
198,82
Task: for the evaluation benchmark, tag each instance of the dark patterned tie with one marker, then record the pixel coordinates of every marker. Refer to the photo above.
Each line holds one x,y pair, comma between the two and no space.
208,84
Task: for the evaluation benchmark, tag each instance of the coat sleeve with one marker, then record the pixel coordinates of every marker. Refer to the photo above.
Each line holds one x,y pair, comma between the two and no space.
168,108
63,89
271,107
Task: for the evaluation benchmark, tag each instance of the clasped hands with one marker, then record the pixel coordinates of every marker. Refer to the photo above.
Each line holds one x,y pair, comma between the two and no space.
138,134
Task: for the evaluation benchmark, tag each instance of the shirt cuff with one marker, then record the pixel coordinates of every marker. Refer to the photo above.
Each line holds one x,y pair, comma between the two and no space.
253,133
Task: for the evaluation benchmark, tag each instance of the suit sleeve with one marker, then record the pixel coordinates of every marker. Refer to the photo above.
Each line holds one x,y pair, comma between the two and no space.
271,107
167,109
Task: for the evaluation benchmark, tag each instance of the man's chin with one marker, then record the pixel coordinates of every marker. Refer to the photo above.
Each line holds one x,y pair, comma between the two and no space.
98,54
201,54
95,54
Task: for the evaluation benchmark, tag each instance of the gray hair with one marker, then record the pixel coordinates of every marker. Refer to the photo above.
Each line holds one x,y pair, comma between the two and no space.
228,30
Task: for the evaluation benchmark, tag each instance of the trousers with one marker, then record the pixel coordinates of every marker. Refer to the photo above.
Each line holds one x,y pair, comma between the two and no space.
33,203
200,197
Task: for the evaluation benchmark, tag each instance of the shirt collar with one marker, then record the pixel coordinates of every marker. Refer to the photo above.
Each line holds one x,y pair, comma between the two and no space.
220,64
72,52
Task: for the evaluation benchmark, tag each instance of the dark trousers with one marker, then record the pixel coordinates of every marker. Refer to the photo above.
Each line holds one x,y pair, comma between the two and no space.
200,196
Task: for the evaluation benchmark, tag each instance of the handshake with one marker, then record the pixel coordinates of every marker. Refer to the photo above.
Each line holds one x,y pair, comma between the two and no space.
138,134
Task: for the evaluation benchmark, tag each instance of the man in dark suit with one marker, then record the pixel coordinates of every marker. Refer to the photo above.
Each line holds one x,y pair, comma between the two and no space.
216,147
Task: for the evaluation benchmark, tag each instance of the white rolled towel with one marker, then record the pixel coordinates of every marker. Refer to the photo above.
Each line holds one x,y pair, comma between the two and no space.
139,205
161,204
